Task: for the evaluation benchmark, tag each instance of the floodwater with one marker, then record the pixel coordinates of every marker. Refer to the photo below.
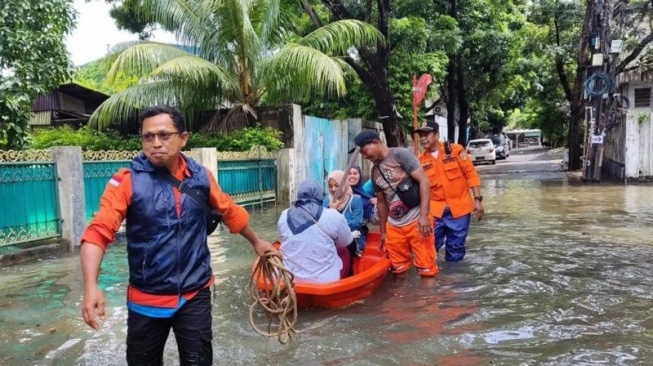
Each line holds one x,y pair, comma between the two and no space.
556,274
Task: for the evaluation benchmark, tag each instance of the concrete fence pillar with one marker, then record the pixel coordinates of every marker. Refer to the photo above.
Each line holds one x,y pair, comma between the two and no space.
286,183
72,203
208,157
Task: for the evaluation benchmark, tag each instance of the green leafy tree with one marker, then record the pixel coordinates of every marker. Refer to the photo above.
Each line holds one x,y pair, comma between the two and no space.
33,59
130,15
240,53
480,79
94,75
417,36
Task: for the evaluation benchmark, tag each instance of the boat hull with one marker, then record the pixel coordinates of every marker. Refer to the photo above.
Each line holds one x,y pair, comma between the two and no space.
369,271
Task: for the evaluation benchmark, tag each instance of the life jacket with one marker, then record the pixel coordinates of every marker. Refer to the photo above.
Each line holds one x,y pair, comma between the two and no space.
167,253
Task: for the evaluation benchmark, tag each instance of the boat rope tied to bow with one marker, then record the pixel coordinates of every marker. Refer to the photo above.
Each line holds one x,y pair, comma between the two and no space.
273,289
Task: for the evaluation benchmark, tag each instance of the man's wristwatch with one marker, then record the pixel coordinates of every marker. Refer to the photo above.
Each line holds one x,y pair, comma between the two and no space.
478,198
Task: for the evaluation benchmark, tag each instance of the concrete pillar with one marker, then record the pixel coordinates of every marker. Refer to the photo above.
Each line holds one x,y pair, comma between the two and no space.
286,183
208,157
72,203
298,125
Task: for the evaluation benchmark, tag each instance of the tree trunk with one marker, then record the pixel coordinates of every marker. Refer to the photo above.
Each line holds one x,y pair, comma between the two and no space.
384,100
393,136
463,104
451,101
452,84
576,115
574,140
372,67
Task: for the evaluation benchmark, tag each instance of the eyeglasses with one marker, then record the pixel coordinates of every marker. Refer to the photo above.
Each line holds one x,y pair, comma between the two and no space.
163,136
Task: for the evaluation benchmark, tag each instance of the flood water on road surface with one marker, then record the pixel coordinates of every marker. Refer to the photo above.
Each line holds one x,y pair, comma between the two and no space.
556,274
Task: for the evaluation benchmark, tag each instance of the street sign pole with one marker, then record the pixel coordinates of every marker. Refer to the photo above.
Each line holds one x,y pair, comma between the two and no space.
419,91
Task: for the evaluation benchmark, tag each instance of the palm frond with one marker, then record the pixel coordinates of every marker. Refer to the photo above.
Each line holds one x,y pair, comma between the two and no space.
265,15
123,106
236,29
197,71
142,58
338,37
189,20
298,72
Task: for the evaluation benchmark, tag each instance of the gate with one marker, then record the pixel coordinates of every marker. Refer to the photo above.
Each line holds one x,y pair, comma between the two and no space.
29,207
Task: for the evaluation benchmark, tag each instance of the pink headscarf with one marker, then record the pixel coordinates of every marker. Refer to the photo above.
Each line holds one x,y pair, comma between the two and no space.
339,203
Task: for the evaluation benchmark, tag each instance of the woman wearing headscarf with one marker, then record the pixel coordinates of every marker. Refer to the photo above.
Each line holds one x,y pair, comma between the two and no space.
366,192
350,205
310,235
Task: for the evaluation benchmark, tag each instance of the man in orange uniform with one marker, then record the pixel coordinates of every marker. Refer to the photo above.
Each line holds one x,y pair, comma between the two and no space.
404,230
169,261
451,174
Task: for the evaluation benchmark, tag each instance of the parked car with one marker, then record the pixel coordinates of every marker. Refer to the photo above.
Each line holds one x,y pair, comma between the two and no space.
482,151
501,145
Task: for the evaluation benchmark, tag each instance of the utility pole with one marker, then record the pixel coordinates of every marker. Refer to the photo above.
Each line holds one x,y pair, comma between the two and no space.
599,88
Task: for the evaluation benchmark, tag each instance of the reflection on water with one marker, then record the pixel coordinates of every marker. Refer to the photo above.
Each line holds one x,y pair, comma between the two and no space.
555,275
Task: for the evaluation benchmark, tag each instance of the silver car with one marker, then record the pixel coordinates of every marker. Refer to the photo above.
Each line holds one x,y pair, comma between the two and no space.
501,144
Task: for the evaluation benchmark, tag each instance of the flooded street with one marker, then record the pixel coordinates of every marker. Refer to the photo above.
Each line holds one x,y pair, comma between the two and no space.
557,273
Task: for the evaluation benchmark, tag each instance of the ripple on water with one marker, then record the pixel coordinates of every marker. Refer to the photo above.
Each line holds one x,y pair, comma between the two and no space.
555,275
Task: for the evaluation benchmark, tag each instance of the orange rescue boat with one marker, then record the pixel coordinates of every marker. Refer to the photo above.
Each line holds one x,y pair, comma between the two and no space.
369,273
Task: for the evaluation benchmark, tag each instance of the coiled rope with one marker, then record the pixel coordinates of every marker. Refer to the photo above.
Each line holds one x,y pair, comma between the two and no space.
276,296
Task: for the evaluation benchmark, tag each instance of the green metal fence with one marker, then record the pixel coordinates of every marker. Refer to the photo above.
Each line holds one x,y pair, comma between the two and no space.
29,203
29,207
249,182
96,176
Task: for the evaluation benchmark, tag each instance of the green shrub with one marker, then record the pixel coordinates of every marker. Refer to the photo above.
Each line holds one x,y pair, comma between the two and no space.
241,140
90,139
86,137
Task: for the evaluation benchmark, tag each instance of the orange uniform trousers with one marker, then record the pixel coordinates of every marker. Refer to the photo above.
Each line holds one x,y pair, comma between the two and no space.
402,241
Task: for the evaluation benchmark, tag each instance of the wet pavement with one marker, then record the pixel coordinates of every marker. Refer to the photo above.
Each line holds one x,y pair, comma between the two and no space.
558,273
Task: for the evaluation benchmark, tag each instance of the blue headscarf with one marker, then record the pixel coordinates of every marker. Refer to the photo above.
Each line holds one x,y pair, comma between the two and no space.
358,189
309,202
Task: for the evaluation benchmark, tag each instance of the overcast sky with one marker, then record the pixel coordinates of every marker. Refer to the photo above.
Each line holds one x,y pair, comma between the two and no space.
96,31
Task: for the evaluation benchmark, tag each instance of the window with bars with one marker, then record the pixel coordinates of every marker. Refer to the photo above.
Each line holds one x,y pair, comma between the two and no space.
642,97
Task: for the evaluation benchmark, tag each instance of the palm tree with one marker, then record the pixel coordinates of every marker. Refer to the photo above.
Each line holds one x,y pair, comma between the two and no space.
239,53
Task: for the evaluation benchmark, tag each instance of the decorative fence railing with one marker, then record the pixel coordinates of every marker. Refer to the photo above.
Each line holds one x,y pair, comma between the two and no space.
250,178
29,204
249,182
28,198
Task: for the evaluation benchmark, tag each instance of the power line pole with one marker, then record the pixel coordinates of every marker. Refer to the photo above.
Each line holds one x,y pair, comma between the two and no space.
598,88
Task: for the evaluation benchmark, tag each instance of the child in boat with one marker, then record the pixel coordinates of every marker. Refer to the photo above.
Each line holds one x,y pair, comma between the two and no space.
350,205
310,235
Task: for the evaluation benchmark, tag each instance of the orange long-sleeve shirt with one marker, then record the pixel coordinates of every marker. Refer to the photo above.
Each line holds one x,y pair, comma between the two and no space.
117,197
451,179
113,208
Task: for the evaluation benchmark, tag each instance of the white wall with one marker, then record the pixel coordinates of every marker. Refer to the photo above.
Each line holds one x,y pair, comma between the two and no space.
639,136
444,129
632,147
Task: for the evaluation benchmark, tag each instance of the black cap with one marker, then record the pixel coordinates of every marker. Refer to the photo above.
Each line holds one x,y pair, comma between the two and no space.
365,137
428,127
